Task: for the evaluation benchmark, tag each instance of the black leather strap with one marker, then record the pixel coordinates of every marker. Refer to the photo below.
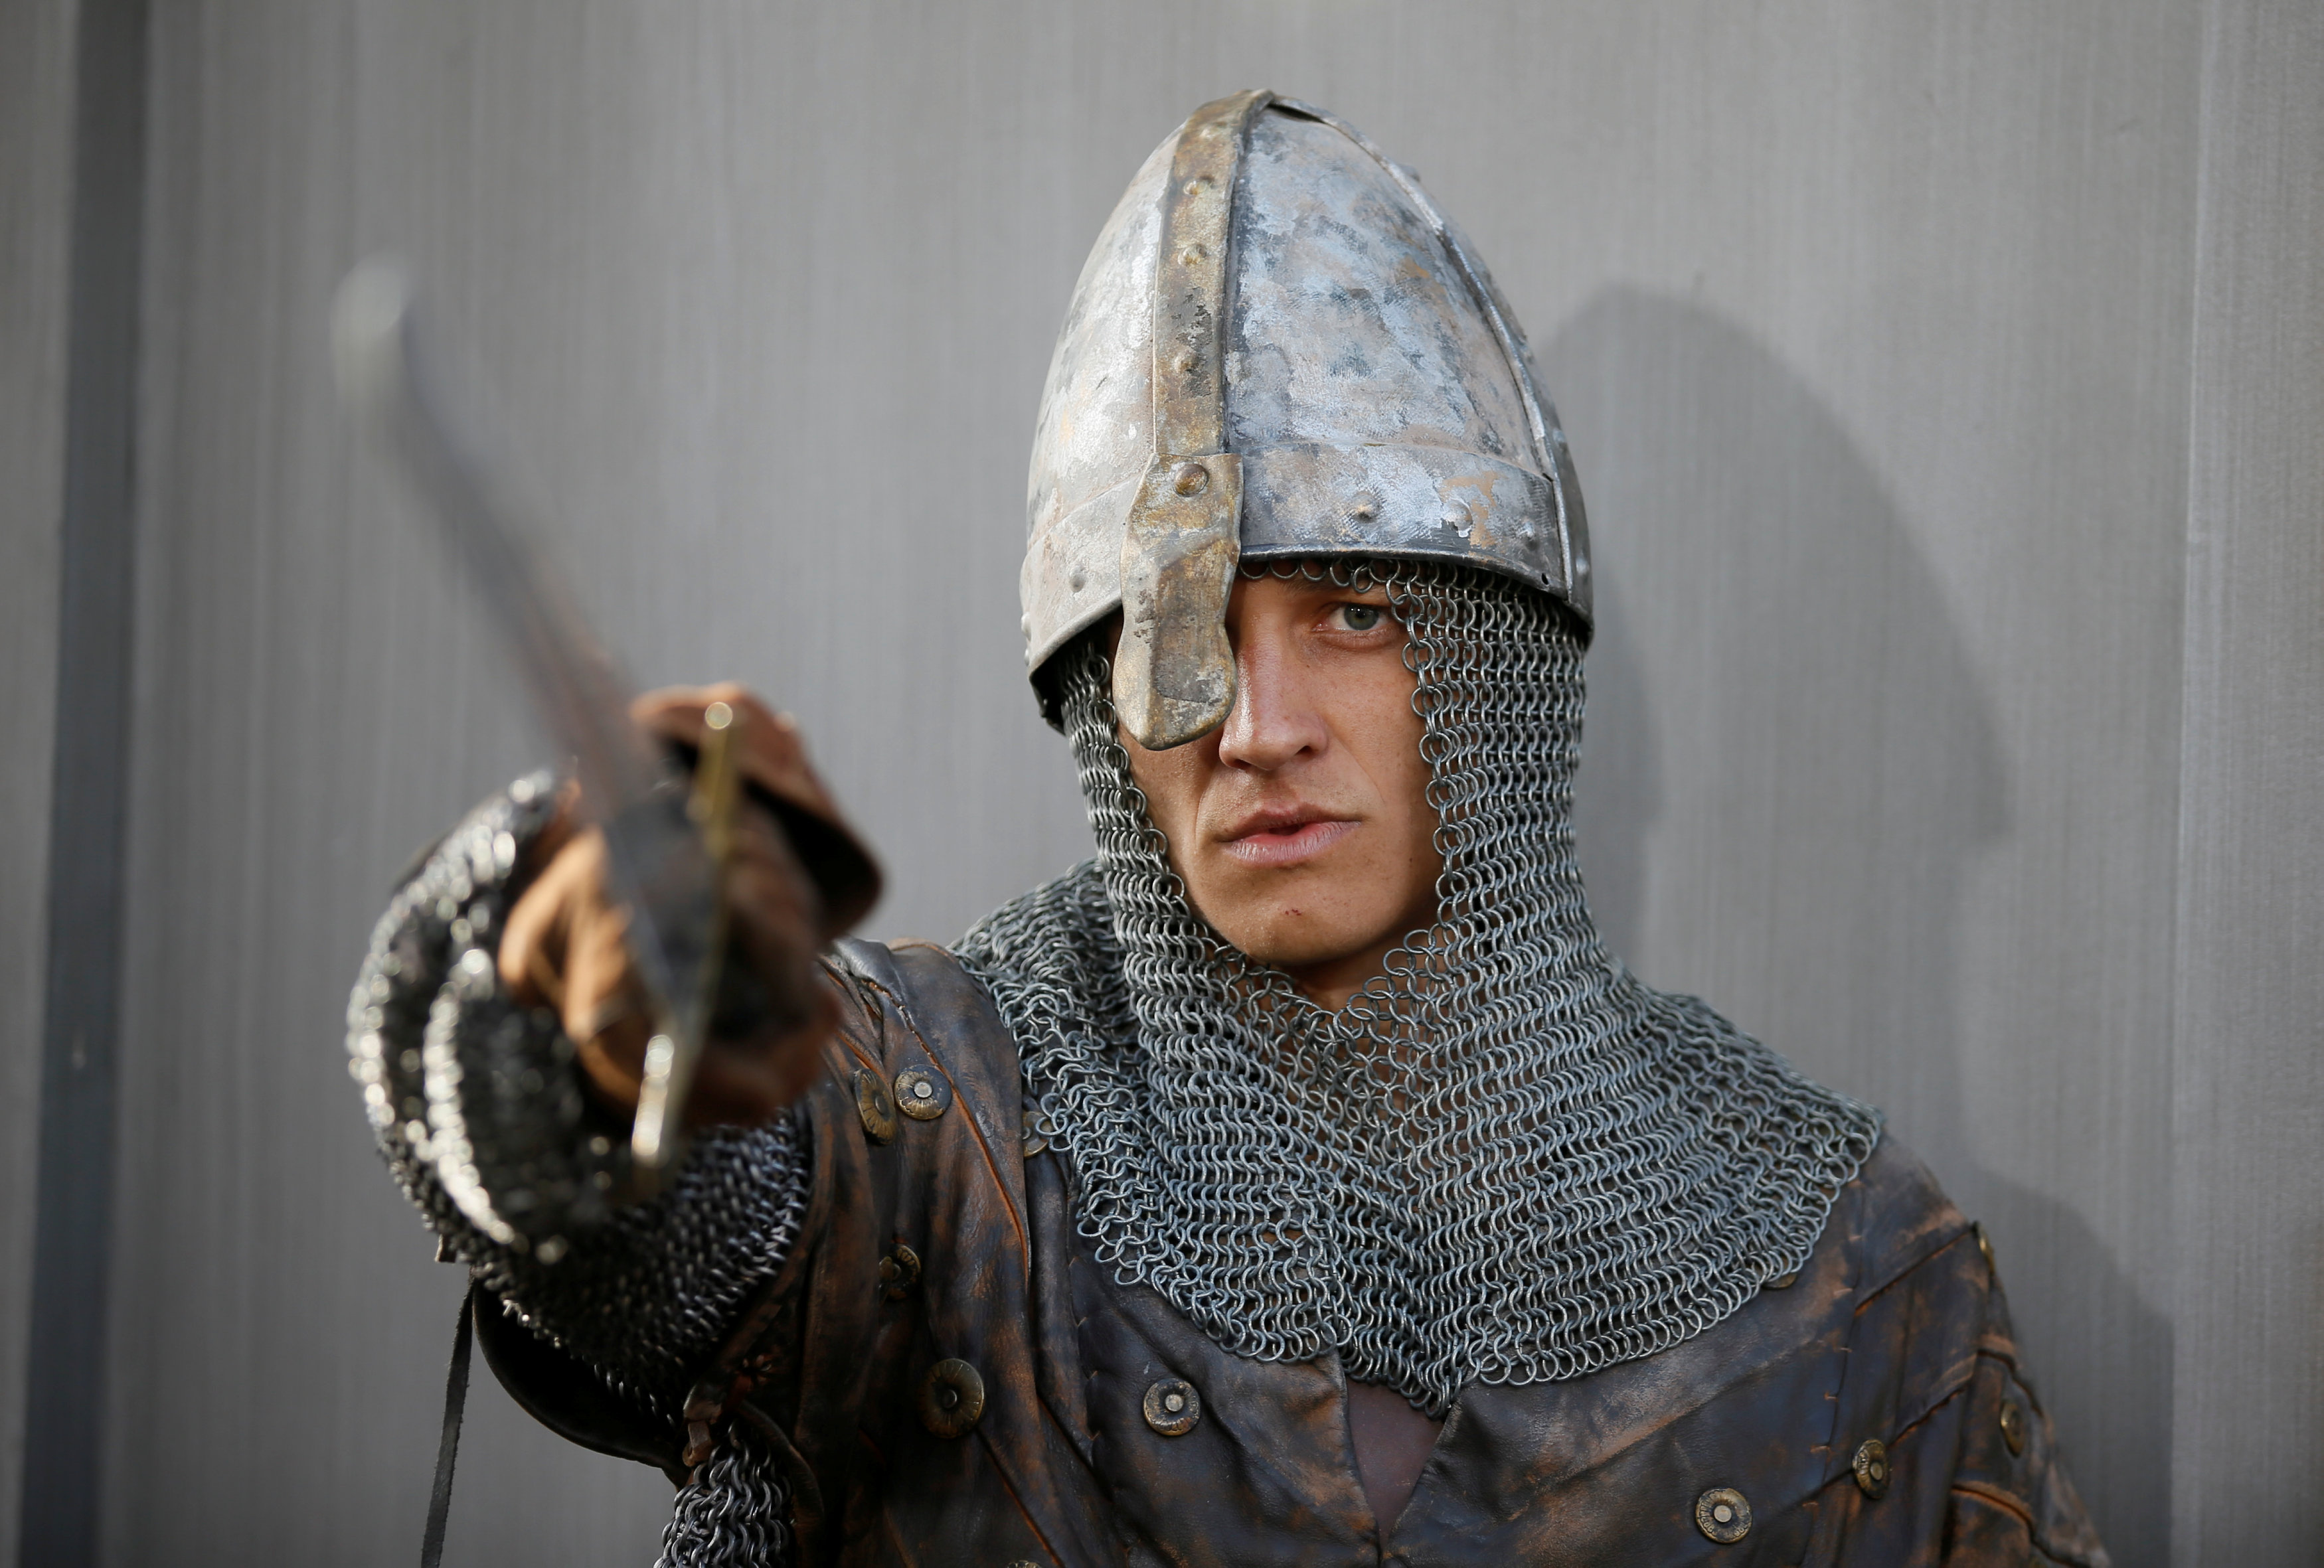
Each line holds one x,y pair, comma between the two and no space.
448,1447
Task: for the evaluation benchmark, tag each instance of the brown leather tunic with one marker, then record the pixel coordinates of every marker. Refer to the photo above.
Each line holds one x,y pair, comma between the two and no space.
1895,1333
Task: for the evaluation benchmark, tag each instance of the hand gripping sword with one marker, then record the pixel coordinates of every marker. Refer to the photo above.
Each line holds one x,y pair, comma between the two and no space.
666,847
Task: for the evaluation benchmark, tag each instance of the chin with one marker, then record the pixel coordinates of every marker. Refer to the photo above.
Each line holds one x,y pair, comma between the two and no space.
1300,919
1292,943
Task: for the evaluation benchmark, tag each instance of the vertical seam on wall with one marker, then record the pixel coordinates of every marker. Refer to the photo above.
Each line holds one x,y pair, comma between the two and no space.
64,1395
2193,580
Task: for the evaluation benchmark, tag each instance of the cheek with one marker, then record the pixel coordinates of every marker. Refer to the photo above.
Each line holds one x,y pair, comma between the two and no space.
1172,787
1401,776
1420,836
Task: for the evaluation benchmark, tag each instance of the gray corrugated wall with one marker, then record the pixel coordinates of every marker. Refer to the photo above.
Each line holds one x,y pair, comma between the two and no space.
36,105
1906,350
2248,1109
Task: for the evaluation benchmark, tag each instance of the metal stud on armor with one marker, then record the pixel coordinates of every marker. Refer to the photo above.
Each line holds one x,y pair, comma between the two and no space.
1723,1514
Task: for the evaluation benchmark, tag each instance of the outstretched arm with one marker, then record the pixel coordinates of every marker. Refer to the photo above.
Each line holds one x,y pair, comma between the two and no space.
498,1032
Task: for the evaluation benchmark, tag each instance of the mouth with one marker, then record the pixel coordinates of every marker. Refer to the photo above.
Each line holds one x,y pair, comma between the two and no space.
1269,839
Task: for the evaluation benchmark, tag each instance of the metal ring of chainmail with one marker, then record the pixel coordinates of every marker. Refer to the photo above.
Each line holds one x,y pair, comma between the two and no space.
1506,1160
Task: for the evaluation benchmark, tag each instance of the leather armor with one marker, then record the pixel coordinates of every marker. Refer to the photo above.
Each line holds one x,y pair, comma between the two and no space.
1896,1334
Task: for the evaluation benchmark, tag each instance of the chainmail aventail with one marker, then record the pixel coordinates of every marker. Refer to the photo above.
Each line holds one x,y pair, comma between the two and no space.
1506,1160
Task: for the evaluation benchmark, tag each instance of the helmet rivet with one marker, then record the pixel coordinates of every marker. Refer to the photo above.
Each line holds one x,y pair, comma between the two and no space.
1529,533
1025,625
1190,255
1364,509
1190,479
1196,186
1186,361
1079,579
1456,516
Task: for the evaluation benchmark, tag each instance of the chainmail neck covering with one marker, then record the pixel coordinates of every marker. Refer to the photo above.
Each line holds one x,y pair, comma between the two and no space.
1504,1161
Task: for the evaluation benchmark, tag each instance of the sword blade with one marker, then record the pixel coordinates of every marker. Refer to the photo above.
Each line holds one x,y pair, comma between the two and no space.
657,863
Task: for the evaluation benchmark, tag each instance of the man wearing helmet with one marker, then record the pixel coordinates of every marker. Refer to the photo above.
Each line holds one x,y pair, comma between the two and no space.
1298,1181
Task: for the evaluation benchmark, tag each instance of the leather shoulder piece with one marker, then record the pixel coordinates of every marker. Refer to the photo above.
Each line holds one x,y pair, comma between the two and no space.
1919,1294
952,1029
1934,1386
558,1390
915,1262
1904,1216
871,961
949,1011
2010,1488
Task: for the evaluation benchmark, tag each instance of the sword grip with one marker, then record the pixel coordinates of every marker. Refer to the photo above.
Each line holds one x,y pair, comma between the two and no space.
674,1051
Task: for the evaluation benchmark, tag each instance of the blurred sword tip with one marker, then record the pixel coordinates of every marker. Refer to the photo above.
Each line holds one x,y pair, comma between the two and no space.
370,318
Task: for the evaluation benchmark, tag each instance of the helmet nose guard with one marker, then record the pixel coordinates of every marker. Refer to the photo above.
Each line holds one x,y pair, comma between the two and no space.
1278,348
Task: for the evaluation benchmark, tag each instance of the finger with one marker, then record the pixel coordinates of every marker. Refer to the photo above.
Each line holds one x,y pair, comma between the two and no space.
612,1061
535,935
607,1011
563,823
735,1082
602,982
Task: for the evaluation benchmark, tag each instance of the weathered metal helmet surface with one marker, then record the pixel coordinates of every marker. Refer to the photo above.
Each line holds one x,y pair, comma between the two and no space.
1278,348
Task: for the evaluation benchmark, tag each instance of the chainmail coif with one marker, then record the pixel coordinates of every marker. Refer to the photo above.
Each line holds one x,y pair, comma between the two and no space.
1506,1160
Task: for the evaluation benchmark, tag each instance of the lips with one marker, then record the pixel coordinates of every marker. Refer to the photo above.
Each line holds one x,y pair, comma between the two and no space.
1283,838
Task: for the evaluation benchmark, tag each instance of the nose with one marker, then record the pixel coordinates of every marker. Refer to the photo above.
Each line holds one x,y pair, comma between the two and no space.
1274,722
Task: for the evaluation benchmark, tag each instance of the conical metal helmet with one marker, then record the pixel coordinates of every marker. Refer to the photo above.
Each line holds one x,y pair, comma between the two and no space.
1278,348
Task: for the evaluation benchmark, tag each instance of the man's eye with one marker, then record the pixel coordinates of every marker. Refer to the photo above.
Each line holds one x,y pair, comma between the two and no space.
1358,617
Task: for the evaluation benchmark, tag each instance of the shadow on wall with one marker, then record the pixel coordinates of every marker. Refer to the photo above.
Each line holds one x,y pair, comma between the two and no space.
1789,771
